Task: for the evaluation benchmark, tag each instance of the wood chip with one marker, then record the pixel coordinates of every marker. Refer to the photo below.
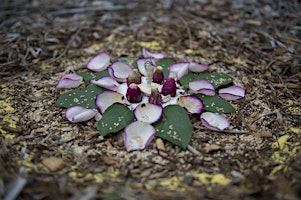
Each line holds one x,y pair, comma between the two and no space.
161,147
213,147
53,163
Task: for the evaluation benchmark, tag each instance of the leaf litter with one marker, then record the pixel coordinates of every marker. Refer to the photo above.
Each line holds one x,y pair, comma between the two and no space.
256,42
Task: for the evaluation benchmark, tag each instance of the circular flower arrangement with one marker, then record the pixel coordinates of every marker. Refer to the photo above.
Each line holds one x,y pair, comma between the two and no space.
147,97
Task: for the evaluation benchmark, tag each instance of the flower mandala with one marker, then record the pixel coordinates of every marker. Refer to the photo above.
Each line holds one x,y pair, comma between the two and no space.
152,96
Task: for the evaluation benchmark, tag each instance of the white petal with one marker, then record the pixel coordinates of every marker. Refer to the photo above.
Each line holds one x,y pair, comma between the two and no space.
158,55
138,135
141,65
107,82
214,121
99,62
192,104
107,98
177,70
202,86
232,93
120,71
80,114
69,81
148,112
196,67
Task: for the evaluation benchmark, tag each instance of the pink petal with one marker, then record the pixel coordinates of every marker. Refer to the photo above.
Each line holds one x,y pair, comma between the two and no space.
69,81
141,65
157,55
177,70
192,104
232,93
99,62
202,86
80,114
196,67
214,121
120,71
138,135
107,98
106,82
147,112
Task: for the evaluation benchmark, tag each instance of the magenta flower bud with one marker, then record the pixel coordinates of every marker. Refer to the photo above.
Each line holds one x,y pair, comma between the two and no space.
158,76
155,96
169,87
134,77
134,94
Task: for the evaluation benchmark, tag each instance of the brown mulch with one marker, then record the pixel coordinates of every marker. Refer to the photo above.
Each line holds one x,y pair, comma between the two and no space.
43,156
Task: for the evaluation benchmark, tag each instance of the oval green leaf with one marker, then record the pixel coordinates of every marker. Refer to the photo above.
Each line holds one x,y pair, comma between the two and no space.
84,97
216,104
88,76
175,126
114,119
216,79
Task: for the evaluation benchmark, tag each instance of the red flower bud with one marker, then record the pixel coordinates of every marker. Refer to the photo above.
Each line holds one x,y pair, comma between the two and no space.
134,77
169,87
134,94
155,96
158,76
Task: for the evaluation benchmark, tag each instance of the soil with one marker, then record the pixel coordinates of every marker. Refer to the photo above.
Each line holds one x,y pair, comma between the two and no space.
43,156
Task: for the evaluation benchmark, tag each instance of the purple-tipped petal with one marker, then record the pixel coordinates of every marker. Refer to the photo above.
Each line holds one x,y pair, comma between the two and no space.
107,98
80,114
158,76
138,135
134,94
157,55
155,96
134,77
99,62
149,113
69,81
177,70
202,86
196,67
106,82
214,121
192,104
169,87
141,65
232,93
120,71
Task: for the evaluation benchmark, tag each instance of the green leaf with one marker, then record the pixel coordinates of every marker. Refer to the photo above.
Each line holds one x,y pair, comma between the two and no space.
84,97
175,126
165,63
114,119
216,79
88,76
216,104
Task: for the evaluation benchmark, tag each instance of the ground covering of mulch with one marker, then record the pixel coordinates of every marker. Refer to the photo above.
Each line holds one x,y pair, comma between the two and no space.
43,156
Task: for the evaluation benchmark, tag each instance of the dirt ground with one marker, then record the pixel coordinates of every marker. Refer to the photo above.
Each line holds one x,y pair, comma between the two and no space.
43,156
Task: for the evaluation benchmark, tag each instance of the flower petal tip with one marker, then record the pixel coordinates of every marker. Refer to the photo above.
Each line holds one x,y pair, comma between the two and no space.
106,82
232,93
107,98
192,104
98,62
120,71
69,81
138,135
149,113
214,121
157,55
203,87
79,114
197,68
178,70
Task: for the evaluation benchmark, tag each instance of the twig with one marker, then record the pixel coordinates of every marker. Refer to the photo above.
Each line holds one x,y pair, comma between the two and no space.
194,151
16,188
188,31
